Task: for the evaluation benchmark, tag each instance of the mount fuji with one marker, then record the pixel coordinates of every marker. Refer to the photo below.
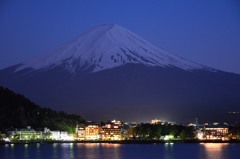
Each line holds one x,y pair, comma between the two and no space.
109,72
105,47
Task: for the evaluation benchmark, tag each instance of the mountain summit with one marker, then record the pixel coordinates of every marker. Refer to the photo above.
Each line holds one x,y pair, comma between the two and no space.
104,47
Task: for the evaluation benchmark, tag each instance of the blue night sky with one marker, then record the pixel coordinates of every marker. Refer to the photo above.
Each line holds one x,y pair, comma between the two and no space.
203,31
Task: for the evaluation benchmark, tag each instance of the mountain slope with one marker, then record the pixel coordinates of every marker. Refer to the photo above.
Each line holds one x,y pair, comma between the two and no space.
18,112
109,72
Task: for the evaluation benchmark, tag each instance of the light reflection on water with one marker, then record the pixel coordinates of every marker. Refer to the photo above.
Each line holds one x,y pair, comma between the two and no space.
118,151
169,149
215,150
67,150
97,151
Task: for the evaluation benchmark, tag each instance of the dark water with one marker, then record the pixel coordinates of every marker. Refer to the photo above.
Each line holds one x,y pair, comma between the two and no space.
120,151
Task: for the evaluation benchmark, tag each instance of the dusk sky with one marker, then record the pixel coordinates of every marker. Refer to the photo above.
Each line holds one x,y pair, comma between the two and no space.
203,31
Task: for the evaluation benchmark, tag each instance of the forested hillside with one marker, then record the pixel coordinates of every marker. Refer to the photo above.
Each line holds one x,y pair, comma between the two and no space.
16,111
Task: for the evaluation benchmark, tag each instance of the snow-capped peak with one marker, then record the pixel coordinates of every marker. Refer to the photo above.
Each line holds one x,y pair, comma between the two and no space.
105,47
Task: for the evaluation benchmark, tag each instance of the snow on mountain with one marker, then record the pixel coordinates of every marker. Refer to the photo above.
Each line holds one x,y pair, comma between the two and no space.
104,47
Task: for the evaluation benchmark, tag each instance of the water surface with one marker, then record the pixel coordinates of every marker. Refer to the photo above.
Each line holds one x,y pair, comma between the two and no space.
120,151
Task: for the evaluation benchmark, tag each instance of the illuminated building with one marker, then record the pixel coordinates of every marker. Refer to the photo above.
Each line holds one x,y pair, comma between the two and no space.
31,134
65,136
112,131
25,134
200,134
60,135
55,135
216,132
92,132
81,133
155,121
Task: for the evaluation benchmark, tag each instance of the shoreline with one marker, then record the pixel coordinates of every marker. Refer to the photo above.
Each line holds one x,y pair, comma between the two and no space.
125,141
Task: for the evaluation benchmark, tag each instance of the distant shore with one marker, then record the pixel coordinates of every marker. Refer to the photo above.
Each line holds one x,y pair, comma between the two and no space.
123,141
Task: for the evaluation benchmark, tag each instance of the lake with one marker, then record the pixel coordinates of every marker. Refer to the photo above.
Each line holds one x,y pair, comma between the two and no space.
120,151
